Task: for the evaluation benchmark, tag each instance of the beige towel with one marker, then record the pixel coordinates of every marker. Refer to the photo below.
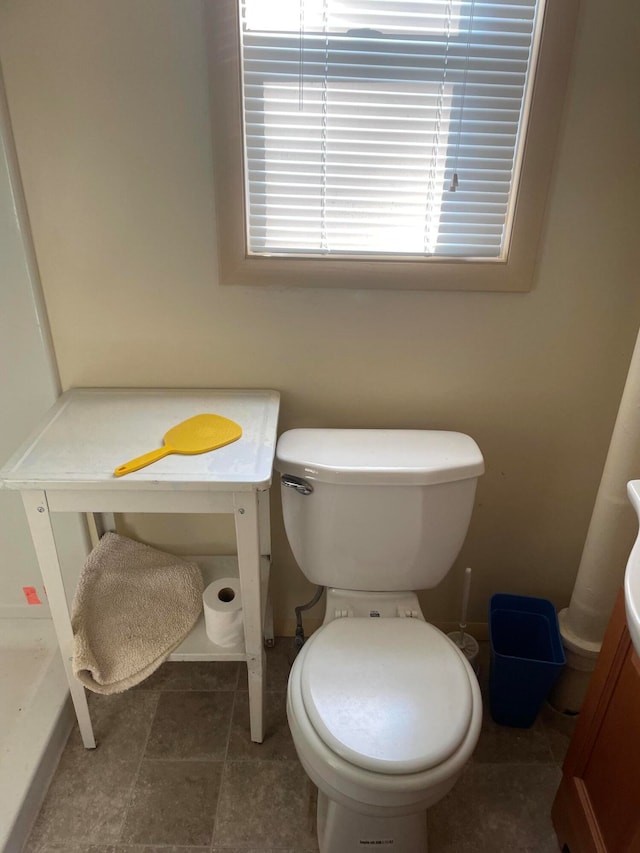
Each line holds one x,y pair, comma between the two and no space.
133,606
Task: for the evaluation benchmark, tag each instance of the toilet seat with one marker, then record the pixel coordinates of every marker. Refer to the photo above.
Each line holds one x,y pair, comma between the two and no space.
390,696
368,791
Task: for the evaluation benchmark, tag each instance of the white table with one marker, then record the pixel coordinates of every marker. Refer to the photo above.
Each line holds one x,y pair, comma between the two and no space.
67,466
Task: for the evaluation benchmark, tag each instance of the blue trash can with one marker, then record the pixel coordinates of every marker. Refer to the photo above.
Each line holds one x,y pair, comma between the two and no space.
526,657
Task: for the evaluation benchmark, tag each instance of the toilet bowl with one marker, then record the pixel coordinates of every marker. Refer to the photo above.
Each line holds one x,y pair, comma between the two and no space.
405,739
384,710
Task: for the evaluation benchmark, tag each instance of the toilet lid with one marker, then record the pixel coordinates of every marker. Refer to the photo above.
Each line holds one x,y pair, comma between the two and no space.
389,695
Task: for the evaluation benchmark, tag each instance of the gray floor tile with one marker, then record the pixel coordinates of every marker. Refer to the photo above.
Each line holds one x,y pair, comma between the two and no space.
559,729
191,725
279,661
174,802
265,804
66,847
145,848
87,799
460,843
121,724
194,675
69,847
97,802
277,744
499,744
496,808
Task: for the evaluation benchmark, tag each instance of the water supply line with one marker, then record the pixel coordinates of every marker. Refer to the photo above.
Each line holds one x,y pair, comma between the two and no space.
300,638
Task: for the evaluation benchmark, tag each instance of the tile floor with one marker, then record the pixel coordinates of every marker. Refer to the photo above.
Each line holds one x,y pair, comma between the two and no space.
176,772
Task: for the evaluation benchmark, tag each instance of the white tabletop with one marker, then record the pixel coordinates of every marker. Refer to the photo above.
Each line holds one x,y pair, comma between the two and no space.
89,432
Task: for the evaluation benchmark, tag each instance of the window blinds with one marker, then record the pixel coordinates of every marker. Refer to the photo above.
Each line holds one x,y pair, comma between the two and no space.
384,128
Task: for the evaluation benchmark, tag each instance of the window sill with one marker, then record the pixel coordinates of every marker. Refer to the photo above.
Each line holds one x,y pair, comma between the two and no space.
431,274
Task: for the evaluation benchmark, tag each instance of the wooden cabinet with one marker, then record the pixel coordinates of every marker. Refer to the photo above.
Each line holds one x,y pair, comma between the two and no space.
597,807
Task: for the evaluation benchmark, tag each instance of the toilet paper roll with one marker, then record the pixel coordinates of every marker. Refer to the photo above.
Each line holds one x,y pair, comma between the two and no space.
222,604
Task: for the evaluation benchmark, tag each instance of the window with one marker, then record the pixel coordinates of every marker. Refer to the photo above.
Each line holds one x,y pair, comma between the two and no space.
388,143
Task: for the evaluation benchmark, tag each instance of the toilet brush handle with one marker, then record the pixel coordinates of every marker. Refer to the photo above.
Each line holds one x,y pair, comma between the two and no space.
465,598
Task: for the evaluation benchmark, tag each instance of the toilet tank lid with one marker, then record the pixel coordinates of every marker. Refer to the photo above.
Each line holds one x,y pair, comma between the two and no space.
379,456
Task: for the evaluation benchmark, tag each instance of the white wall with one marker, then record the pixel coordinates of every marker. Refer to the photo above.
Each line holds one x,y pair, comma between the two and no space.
111,115
28,385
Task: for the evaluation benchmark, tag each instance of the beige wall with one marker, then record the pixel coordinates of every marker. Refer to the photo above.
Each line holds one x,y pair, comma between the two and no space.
110,109
26,394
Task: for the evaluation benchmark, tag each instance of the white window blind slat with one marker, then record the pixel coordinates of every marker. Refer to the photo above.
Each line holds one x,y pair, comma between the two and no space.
359,113
302,166
478,97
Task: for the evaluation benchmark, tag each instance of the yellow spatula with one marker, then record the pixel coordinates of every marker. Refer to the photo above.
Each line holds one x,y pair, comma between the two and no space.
198,434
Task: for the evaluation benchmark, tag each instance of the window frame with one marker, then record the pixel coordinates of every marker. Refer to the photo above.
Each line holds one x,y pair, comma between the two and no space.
514,273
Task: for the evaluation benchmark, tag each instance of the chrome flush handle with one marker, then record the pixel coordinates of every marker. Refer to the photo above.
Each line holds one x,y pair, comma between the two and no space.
302,487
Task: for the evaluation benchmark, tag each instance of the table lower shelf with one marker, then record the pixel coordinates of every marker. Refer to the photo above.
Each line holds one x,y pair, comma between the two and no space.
197,646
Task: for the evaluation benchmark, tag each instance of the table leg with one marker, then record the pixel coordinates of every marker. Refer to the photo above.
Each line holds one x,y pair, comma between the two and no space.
264,518
100,523
264,523
105,522
269,639
248,539
39,520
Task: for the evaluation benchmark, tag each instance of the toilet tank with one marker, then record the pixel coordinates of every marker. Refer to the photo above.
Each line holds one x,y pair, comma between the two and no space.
377,509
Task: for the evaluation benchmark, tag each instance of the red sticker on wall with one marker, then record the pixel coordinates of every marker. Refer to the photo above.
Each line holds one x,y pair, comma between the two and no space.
31,595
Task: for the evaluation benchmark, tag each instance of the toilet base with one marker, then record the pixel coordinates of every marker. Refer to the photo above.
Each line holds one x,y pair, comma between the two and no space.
348,831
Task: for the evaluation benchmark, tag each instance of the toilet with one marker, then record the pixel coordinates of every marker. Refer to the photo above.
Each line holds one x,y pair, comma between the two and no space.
385,711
